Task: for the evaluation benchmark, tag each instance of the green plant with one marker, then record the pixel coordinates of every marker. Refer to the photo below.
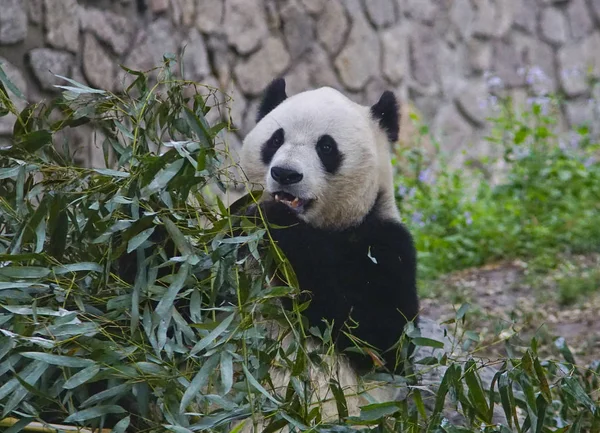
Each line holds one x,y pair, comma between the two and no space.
548,201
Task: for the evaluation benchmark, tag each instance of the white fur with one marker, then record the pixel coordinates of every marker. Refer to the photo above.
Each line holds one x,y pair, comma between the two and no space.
345,198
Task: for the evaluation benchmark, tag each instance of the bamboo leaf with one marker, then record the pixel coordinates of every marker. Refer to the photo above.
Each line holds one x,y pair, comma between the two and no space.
139,239
198,382
107,393
258,386
212,336
166,303
94,412
82,377
63,361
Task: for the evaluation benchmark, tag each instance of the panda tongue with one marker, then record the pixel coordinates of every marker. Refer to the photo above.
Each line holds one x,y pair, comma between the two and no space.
286,199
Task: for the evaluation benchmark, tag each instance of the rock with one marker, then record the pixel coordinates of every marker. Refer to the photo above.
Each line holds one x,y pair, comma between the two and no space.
258,70
250,117
313,71
394,42
13,21
536,64
354,8
591,44
471,100
462,16
62,24
35,9
109,27
485,19
580,21
235,106
553,26
421,10
454,68
195,59
525,15
314,6
580,112
245,24
320,68
98,65
480,55
183,12
373,91
381,13
332,26
209,16
574,63
158,6
595,5
512,57
452,131
298,79
151,45
46,62
221,56
298,28
359,60
424,55
505,16
273,19
16,77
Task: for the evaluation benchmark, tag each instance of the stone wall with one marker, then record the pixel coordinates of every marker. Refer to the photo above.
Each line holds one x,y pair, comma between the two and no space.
445,56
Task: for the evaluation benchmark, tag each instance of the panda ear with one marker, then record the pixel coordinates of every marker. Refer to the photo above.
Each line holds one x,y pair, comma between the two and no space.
385,111
274,95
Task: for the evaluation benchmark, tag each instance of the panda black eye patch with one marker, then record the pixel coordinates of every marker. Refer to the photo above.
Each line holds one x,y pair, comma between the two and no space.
328,152
271,146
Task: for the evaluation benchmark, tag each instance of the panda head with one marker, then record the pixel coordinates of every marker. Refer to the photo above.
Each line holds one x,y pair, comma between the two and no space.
324,156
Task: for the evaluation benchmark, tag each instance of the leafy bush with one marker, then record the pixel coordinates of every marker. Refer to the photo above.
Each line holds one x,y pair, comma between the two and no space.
125,302
547,203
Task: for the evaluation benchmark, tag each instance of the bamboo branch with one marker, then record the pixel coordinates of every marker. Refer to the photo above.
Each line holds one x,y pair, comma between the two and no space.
49,428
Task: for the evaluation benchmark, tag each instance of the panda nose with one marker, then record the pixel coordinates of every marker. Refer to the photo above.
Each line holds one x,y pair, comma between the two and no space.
285,176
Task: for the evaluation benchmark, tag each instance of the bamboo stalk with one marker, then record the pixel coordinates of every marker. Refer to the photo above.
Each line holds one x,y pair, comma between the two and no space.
49,428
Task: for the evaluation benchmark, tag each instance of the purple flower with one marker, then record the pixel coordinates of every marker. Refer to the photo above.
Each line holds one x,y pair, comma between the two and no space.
495,83
574,141
468,218
562,144
417,218
426,176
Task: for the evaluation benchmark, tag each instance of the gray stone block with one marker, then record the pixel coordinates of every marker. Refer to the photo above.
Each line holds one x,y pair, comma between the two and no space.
62,24
245,24
47,62
13,21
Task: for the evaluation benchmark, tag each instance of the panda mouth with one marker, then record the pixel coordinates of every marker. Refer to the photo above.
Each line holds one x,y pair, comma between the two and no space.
296,203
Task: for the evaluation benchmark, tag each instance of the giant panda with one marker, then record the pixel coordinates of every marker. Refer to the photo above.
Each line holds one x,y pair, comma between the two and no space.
328,198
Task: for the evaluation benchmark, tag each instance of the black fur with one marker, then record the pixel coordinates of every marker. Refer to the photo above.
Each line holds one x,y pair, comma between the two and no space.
272,144
339,270
328,152
385,111
274,95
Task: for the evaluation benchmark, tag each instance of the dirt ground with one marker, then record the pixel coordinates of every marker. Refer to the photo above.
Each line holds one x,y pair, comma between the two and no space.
510,301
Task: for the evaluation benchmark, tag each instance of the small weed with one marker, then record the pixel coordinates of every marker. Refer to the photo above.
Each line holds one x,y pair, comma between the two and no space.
574,287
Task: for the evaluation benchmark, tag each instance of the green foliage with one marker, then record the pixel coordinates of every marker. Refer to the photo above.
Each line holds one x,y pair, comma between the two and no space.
125,301
547,202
